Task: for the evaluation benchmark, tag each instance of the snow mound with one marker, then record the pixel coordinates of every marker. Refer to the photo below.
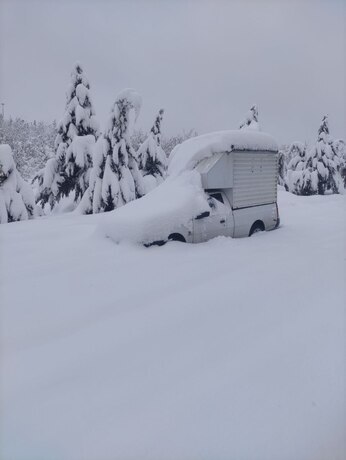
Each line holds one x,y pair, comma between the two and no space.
188,154
154,216
150,182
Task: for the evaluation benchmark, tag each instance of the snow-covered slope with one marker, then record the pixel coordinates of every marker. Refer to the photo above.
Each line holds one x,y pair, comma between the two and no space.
232,349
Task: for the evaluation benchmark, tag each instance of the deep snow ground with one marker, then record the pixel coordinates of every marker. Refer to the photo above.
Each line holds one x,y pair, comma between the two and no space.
232,349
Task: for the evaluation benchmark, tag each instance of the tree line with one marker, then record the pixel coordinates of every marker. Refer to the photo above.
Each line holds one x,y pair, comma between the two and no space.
73,165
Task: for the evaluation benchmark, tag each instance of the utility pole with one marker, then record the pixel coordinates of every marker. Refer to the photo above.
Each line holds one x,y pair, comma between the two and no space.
3,109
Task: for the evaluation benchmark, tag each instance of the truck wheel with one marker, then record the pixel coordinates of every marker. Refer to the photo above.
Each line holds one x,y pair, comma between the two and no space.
258,226
176,237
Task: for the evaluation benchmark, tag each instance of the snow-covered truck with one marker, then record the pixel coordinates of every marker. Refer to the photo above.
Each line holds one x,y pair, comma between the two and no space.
239,174
223,183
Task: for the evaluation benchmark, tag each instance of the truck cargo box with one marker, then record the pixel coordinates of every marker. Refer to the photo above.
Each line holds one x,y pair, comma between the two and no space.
251,176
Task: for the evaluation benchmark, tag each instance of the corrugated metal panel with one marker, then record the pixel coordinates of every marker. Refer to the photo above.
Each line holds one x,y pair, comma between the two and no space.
254,179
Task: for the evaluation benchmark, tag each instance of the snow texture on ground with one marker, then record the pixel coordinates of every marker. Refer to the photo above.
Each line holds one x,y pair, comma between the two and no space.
231,349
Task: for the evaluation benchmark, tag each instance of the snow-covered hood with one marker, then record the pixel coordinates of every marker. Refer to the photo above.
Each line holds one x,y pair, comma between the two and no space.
153,217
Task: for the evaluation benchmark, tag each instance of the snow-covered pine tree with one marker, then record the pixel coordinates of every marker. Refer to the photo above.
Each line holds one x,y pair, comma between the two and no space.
91,202
298,179
115,178
322,163
152,158
78,164
251,120
137,138
339,150
69,170
16,196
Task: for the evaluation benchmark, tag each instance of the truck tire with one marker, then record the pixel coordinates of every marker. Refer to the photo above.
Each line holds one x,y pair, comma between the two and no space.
176,237
257,226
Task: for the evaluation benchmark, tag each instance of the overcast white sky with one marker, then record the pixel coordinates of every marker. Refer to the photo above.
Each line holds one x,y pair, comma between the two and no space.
205,62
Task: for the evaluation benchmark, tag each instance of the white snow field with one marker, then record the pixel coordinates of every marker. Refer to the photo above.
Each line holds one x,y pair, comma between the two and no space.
232,349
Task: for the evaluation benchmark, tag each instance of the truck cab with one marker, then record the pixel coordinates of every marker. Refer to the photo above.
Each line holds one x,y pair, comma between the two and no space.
218,221
238,172
222,220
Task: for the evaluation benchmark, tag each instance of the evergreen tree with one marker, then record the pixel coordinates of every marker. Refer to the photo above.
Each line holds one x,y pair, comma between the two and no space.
16,196
137,138
298,179
115,178
322,163
251,120
152,158
339,150
78,164
69,169
319,170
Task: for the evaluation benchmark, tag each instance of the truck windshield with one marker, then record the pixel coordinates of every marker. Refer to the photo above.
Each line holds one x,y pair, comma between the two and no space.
217,196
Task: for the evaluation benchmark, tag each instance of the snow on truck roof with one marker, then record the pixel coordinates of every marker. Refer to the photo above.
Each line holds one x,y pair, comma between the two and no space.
187,155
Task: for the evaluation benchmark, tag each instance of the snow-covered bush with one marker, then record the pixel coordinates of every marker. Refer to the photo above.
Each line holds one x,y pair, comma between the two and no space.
251,120
115,178
16,196
69,170
152,159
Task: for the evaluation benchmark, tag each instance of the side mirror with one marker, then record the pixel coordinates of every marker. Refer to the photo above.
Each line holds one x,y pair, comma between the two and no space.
204,214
